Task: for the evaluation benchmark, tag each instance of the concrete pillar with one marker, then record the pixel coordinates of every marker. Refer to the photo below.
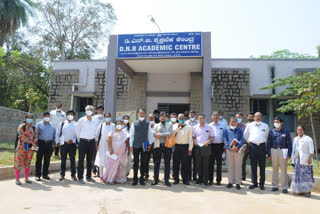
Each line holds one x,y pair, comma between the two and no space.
207,87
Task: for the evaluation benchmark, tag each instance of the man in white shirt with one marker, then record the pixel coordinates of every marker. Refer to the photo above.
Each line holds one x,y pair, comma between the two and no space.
256,134
99,119
56,117
85,130
66,139
217,148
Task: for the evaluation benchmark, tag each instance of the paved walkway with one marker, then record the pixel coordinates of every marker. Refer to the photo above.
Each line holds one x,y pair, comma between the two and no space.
71,197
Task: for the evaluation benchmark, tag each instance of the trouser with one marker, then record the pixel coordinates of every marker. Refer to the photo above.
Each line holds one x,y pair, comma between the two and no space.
86,149
216,156
278,161
180,156
257,156
68,149
44,152
157,152
26,173
56,151
244,162
234,162
148,153
192,166
139,154
95,169
203,157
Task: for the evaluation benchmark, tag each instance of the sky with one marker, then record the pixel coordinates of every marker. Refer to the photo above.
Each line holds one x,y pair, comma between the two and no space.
239,28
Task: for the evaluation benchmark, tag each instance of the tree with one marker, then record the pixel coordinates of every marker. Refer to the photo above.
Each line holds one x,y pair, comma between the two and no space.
285,54
14,14
304,96
72,29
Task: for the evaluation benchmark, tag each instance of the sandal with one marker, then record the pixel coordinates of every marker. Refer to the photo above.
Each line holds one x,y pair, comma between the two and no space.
18,183
28,181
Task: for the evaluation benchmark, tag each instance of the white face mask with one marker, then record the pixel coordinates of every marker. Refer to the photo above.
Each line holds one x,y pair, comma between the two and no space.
141,118
220,117
100,115
151,122
192,118
233,127
58,109
70,117
174,120
126,121
47,119
89,113
119,127
276,125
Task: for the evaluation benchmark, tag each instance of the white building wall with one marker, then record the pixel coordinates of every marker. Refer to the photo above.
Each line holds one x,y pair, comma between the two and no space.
169,82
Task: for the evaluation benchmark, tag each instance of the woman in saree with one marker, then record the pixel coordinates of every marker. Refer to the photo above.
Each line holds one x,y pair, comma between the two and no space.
117,155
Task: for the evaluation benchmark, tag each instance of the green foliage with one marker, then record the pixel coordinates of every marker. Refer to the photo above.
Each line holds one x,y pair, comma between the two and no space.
285,54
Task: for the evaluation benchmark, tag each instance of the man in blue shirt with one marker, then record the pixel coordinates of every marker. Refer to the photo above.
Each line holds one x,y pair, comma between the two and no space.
46,143
279,150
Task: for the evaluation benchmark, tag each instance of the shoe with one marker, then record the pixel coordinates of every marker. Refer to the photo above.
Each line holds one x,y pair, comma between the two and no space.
199,182
205,184
146,178
142,182
167,183
134,183
243,179
274,189
90,180
218,183
211,183
229,186
175,182
74,178
61,178
18,183
253,186
285,191
186,183
28,181
262,187
38,179
81,181
308,194
94,174
155,183
46,177
238,186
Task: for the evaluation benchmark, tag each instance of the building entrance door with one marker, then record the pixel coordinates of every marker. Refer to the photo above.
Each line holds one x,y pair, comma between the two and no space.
173,108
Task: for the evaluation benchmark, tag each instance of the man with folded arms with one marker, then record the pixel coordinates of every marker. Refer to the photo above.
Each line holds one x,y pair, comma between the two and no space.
256,134
184,145
279,149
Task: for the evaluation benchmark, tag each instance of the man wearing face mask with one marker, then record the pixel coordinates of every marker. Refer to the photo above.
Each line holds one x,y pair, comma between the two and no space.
250,119
46,143
140,133
279,152
151,119
156,113
256,134
99,119
192,160
222,120
56,117
85,130
66,139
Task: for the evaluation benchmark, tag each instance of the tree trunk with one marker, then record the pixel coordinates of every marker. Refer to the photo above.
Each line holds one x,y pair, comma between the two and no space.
314,136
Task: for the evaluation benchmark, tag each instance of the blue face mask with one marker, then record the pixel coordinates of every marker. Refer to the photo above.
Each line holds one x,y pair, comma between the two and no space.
181,121
29,120
239,120
107,119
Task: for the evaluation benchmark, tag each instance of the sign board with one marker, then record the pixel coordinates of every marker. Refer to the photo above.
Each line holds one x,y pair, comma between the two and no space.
160,45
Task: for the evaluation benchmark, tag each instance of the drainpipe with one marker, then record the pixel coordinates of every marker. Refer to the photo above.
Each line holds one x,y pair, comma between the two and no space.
84,83
272,77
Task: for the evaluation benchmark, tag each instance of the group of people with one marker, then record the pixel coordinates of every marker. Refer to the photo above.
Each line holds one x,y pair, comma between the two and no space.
194,146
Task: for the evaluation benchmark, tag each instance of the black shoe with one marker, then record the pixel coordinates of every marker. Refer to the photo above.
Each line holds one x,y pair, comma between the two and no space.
175,182
238,186
38,179
46,177
205,184
142,182
155,183
61,178
243,179
229,185
146,178
199,182
274,189
211,183
134,183
253,186
90,180
74,178
167,183
307,194
262,187
186,183
285,191
218,183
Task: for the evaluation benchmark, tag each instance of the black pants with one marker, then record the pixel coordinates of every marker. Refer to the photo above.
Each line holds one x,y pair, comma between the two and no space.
192,166
180,156
44,152
157,152
257,156
149,153
56,151
86,148
139,154
68,149
244,163
203,157
216,157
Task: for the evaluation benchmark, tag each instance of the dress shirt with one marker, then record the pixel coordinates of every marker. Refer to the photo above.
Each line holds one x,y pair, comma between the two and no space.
150,135
218,132
165,129
279,139
68,132
98,119
192,123
302,148
255,133
202,133
224,122
183,135
46,131
86,128
230,134
57,117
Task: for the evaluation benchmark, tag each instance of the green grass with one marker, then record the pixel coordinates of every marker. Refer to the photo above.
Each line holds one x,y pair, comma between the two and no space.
7,155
